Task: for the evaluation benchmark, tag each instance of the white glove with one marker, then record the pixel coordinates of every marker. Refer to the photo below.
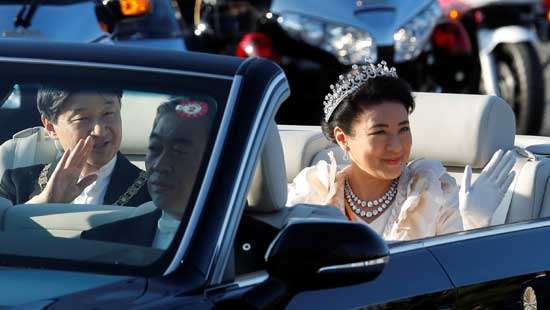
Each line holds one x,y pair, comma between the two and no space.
478,201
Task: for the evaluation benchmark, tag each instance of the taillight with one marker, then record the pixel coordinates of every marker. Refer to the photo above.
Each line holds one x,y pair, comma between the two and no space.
452,36
453,9
256,44
104,26
134,7
546,5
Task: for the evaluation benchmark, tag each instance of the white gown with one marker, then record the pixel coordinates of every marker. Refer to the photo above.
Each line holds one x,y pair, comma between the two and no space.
426,203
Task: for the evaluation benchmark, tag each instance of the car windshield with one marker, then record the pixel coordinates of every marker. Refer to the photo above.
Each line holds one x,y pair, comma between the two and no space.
100,173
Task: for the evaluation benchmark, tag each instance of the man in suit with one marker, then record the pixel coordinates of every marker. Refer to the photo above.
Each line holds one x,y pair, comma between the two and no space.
173,161
88,127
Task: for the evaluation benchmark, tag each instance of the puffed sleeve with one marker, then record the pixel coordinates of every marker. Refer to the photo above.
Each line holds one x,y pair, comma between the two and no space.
449,219
429,203
313,184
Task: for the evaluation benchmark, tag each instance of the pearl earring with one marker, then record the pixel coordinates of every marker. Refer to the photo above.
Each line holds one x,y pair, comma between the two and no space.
346,156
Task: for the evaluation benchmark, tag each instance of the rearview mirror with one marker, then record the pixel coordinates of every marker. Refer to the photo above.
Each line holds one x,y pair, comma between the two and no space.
309,255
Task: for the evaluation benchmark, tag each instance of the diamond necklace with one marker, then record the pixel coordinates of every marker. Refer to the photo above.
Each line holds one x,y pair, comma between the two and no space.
367,209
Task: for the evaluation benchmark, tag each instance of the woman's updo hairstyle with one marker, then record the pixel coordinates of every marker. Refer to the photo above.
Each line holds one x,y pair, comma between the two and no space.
374,91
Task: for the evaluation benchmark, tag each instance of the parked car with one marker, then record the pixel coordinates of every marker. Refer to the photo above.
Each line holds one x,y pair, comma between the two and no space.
313,259
150,23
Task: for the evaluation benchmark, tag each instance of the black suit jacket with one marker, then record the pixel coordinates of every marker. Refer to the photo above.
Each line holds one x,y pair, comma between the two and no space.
21,184
141,230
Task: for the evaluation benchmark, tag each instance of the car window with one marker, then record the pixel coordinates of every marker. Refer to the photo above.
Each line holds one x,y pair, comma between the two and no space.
100,173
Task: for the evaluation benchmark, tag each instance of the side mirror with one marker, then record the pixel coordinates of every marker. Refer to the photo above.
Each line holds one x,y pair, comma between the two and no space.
318,254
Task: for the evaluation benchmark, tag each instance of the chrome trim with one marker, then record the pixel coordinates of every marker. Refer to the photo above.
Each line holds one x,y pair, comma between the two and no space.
209,176
359,265
113,66
541,275
250,279
259,127
271,245
468,235
407,247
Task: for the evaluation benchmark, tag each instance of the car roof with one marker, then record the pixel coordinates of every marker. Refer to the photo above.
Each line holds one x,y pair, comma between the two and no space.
121,55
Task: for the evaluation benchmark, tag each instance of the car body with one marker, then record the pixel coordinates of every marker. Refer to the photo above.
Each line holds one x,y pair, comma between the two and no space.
92,21
496,267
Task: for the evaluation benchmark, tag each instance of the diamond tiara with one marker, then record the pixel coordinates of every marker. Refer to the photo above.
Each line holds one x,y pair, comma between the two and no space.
352,82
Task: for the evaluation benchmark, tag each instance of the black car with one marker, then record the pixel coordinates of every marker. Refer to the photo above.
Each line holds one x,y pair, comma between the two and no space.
238,246
151,23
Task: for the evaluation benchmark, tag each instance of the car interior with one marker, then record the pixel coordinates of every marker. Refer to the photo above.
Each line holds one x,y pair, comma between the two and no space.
468,130
471,128
33,146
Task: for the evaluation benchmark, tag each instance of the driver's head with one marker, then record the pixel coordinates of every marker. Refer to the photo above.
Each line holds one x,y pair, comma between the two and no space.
73,114
176,147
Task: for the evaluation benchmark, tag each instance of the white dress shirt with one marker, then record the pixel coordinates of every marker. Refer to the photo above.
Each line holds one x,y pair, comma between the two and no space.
95,192
166,229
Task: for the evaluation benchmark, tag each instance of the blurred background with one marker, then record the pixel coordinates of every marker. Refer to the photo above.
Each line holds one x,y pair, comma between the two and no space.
465,46
462,46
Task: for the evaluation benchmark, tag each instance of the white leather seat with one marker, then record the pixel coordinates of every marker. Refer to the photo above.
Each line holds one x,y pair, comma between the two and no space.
138,113
33,146
28,147
455,129
540,146
268,191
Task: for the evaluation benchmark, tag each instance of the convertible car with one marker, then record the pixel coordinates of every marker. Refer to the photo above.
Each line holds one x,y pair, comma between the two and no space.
238,245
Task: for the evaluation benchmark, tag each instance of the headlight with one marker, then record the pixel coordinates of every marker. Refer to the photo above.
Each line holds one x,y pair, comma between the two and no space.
412,37
350,45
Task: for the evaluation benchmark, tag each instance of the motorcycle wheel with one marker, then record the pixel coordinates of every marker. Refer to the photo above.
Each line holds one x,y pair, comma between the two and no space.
521,84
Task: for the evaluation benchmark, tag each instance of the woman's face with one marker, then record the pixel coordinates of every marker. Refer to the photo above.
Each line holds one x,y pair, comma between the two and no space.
380,141
176,147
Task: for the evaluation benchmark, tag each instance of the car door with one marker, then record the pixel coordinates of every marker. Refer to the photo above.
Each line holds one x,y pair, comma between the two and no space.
412,279
501,267
244,91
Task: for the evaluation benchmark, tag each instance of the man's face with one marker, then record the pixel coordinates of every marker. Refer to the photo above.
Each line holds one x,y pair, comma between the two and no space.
175,151
92,114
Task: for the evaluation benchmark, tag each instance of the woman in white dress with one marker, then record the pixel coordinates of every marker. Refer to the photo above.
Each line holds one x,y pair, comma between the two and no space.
366,114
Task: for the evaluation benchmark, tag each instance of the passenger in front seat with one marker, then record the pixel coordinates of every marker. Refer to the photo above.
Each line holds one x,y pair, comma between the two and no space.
88,127
177,145
366,114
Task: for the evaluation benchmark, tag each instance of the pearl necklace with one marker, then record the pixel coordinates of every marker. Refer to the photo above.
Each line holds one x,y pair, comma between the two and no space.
367,209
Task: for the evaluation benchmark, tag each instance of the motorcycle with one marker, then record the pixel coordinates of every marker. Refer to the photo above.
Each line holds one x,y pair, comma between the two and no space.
501,37
432,44
315,41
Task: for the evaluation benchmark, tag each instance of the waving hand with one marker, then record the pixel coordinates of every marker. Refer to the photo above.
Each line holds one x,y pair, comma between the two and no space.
64,185
478,201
